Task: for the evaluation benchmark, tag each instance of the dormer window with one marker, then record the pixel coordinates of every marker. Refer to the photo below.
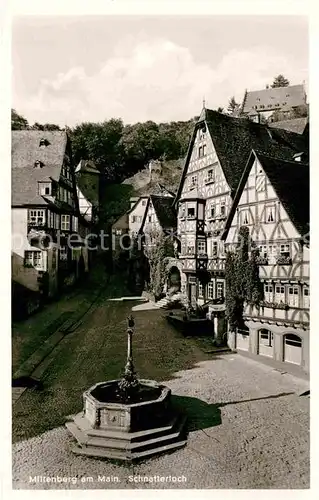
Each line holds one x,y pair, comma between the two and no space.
43,143
38,164
45,188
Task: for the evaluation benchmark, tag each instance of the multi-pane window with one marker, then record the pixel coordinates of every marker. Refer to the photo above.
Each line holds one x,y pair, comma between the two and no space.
33,258
200,290
219,289
202,151
65,222
266,338
293,296
268,292
263,251
212,211
210,175
270,213
214,248
143,203
193,181
279,293
36,217
201,246
285,250
210,290
306,301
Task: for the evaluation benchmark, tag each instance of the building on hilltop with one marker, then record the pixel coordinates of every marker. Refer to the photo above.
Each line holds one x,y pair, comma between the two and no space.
264,102
272,201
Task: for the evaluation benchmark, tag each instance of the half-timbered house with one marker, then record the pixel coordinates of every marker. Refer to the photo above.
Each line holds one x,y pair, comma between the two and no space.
44,211
216,158
272,201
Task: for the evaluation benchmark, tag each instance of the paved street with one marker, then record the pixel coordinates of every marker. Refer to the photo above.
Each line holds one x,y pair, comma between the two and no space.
249,428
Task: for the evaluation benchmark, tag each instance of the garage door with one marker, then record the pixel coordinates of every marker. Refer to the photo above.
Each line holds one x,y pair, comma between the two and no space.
292,349
242,340
266,343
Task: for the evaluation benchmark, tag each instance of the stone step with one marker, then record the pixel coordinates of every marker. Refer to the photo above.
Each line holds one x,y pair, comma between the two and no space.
126,455
84,426
137,445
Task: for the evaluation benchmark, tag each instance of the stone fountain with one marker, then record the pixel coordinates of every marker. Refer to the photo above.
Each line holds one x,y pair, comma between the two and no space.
127,419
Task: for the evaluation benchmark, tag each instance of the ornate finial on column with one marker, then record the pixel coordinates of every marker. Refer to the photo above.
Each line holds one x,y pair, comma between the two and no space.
129,384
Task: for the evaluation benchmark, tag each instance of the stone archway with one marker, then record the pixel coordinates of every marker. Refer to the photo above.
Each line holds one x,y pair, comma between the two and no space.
174,280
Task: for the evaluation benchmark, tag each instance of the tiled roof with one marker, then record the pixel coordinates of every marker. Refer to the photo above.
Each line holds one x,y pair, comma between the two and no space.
294,95
234,138
87,166
25,152
296,125
290,180
165,212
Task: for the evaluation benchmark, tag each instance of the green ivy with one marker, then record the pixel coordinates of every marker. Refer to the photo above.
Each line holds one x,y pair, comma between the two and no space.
243,285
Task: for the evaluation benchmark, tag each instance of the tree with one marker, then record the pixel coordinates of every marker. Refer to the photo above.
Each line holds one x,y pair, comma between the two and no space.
220,109
280,81
45,126
243,284
232,105
18,122
158,247
100,142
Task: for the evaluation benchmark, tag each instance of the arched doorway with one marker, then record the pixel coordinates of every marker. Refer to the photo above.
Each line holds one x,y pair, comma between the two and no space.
292,349
174,280
266,343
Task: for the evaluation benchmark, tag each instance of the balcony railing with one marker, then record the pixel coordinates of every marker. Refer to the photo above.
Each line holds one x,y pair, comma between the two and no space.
274,305
262,261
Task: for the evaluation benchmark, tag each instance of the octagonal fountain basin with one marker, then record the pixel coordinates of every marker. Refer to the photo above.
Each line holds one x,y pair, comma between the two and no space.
111,428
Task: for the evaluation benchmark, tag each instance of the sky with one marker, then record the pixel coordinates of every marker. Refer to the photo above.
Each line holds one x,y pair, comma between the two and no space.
67,70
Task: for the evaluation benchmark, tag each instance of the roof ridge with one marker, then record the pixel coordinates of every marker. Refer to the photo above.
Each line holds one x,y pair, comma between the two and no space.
272,157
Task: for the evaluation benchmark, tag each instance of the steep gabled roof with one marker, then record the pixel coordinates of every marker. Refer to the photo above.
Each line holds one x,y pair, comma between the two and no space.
234,138
26,151
165,212
290,180
296,125
274,98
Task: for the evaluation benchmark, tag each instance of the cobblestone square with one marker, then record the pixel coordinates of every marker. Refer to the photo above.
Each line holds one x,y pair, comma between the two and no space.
249,428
